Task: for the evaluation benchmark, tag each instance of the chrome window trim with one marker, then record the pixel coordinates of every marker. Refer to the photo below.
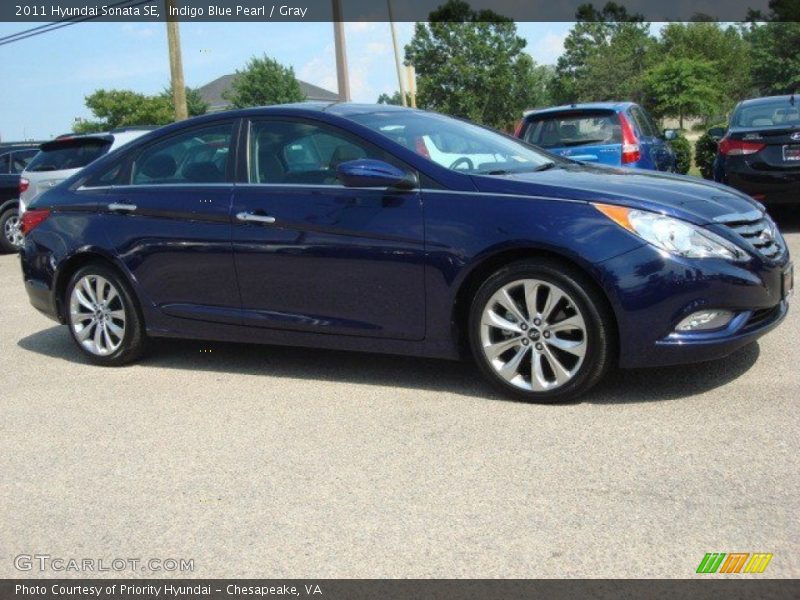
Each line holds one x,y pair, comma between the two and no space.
127,186
328,187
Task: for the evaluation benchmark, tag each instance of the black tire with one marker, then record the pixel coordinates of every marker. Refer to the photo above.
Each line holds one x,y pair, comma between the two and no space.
600,332
6,245
132,343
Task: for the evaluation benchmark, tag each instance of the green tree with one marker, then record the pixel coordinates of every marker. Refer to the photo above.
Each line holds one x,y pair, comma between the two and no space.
725,48
775,57
119,108
681,87
395,99
195,104
605,56
264,81
472,64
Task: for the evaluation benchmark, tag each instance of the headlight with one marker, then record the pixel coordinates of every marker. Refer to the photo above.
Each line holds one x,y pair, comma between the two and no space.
672,235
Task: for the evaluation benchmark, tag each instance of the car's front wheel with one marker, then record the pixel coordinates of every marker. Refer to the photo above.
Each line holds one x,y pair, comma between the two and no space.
103,317
540,331
11,239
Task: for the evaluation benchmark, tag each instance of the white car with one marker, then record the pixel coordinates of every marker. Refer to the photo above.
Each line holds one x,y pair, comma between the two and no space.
64,156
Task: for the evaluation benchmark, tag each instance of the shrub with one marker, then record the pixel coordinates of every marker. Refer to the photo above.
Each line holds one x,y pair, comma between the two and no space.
683,154
705,150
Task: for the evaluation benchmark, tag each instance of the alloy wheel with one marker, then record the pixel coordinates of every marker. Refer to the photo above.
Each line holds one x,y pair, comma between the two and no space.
11,229
97,315
533,335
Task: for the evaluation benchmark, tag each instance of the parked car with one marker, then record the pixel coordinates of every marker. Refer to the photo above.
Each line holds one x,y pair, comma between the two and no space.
759,153
66,155
608,133
13,158
307,225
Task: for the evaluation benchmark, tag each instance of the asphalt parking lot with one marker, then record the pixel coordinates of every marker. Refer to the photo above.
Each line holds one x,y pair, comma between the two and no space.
275,462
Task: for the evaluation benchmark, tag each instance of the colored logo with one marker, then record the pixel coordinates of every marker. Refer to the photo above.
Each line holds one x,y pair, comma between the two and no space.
735,562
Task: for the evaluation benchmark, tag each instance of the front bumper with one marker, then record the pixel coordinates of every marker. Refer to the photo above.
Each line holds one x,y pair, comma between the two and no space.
651,292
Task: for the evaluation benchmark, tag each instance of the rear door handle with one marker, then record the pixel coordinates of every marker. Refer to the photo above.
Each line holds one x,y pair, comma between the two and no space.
117,207
248,216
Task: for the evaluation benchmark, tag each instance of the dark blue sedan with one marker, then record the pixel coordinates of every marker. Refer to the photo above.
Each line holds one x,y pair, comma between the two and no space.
335,226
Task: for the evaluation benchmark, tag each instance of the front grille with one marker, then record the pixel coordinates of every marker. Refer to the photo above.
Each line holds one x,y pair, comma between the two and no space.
757,229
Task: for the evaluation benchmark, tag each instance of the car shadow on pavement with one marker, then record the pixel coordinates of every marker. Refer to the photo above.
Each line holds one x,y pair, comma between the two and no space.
620,386
786,217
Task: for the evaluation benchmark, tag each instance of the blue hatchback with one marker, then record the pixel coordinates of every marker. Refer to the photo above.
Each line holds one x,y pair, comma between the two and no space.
608,133
383,229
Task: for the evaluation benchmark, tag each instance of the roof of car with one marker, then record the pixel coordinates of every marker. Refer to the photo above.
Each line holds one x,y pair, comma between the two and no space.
338,108
765,99
582,106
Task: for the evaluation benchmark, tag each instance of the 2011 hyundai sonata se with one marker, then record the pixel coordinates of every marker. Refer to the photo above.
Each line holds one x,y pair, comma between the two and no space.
391,230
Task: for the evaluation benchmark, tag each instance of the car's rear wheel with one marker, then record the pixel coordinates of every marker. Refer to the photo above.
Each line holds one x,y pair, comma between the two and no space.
11,239
103,316
540,331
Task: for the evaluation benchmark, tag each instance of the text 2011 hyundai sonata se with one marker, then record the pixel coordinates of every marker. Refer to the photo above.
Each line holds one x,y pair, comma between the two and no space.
391,230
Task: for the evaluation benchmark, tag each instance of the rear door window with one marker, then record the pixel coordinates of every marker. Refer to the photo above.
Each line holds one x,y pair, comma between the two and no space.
574,129
644,123
198,156
70,153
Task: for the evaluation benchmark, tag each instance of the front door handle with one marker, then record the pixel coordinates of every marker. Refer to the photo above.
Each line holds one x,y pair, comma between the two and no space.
116,206
248,216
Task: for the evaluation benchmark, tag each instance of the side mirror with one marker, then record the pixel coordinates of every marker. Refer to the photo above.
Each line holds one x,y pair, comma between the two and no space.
717,133
671,134
368,172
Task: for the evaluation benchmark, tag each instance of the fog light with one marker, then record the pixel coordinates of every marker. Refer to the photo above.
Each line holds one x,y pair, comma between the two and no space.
705,320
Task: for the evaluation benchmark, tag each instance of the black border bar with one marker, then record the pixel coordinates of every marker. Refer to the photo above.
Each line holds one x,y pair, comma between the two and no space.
377,10
711,587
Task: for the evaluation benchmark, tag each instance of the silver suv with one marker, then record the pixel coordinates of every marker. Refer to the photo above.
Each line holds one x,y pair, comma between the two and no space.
66,155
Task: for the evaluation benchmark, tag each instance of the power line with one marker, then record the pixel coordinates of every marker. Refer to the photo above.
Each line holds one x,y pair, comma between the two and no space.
48,27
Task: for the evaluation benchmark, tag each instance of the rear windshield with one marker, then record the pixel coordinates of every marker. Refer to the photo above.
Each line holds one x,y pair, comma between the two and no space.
770,113
574,129
68,154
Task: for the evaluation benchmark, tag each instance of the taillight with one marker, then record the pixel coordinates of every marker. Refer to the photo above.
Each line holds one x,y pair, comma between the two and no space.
421,148
518,127
729,147
31,219
24,184
630,144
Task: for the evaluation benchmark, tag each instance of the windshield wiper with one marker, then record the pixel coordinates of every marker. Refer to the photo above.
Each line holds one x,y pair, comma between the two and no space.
544,167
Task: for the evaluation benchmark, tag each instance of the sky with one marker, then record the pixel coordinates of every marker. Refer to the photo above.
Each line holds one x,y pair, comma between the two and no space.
44,79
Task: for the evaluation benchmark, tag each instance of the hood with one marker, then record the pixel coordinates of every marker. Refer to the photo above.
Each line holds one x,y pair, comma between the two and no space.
696,200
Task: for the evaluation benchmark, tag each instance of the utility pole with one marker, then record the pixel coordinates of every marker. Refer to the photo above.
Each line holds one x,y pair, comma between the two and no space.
176,64
341,53
403,98
412,85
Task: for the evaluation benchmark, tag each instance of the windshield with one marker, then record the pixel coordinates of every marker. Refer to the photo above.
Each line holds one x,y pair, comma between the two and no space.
455,144
777,112
60,155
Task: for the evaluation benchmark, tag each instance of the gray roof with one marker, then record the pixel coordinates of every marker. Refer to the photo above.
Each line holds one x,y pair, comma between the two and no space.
212,92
